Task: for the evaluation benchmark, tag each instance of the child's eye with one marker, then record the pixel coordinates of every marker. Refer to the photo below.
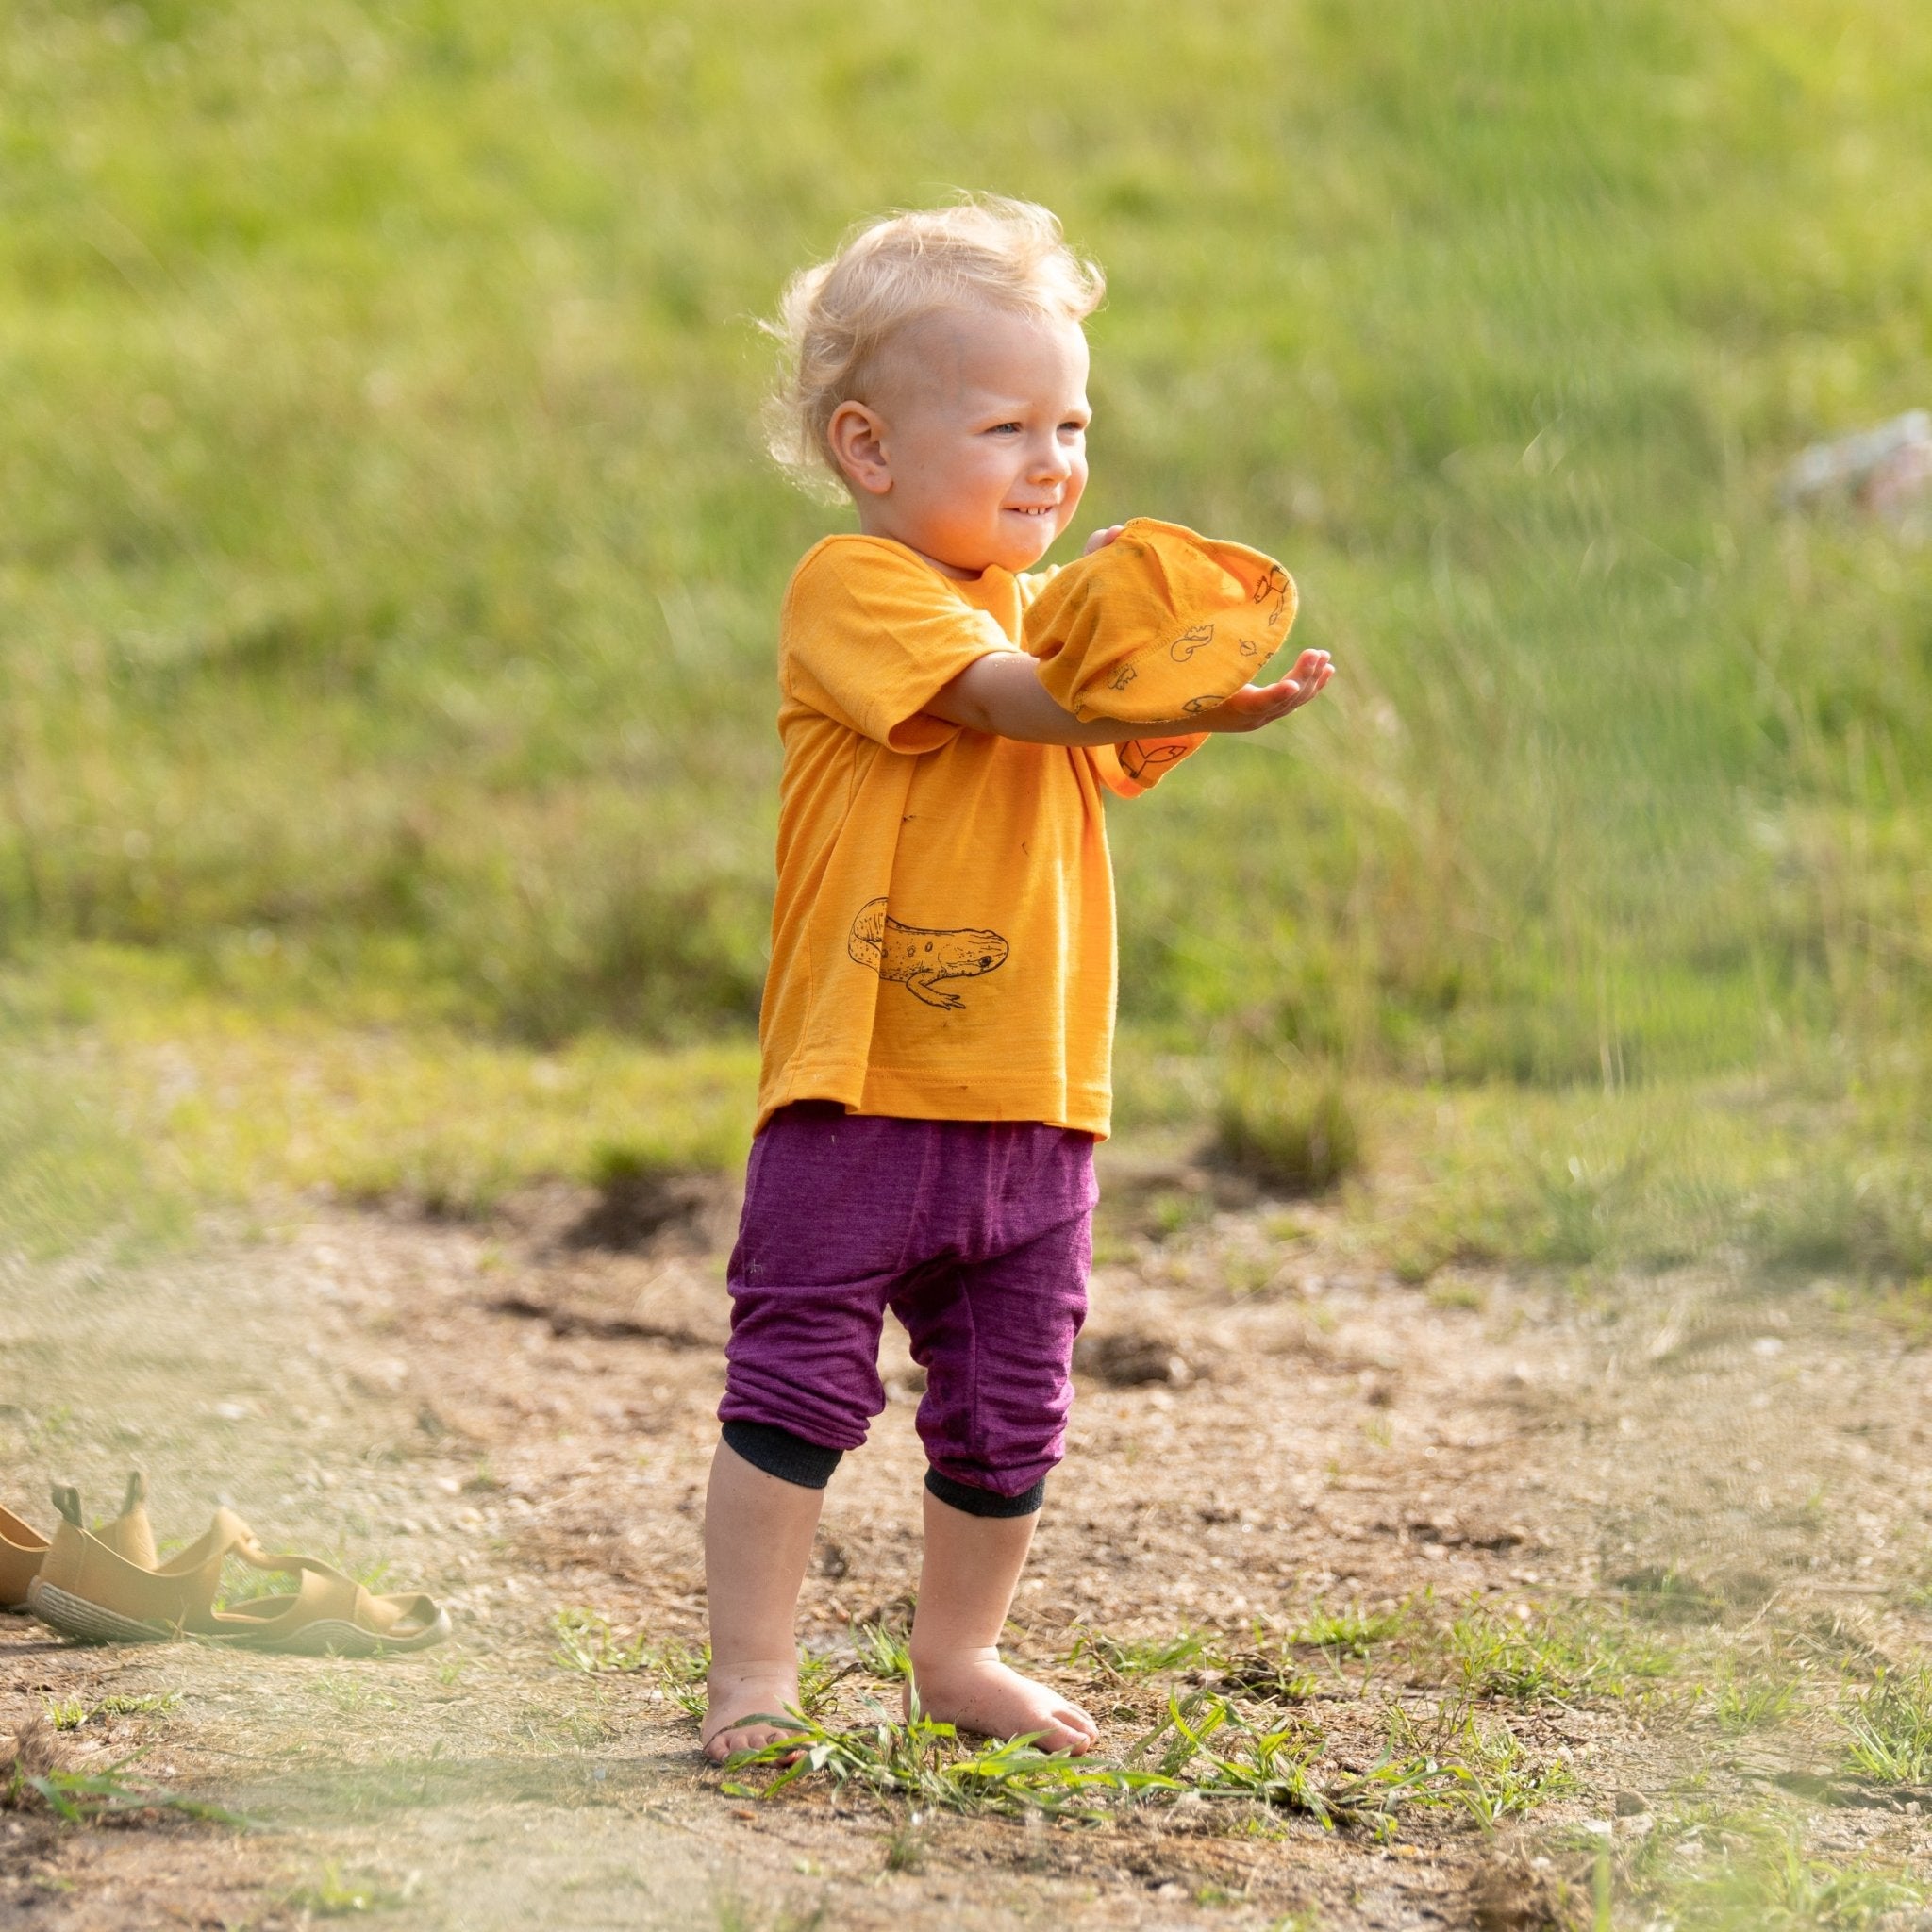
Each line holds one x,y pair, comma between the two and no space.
1002,429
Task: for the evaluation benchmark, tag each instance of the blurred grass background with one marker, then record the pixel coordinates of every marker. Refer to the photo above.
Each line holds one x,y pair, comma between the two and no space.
387,574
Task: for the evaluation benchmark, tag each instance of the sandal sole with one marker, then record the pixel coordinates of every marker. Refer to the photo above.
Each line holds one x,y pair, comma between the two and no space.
334,1638
75,1616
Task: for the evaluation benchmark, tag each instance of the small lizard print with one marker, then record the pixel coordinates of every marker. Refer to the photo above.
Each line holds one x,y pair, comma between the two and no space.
919,957
1137,758
1273,584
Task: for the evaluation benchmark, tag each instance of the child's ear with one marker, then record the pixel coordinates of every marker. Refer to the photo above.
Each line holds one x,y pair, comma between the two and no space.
856,437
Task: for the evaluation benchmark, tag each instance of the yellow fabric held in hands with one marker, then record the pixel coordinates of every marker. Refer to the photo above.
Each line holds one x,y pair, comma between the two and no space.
1160,624
942,937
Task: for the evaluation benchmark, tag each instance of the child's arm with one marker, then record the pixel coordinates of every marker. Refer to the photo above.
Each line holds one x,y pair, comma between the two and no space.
1002,693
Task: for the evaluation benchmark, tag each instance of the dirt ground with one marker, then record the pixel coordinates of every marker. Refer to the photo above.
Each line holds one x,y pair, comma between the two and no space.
517,1417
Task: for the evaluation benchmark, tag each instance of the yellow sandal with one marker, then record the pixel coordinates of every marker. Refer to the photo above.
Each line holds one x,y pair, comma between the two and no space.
110,1589
329,1615
24,1549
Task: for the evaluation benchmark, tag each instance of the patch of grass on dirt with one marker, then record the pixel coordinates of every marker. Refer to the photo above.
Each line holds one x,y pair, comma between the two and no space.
1291,1129
1144,1656
586,1641
1888,1728
33,1777
329,1895
1742,1705
883,1650
72,1713
1205,1748
1863,1212
1561,1657
1457,1760
1268,1667
1271,1675
923,1760
1666,1594
1907,1307
1713,1870
351,1695
1353,1632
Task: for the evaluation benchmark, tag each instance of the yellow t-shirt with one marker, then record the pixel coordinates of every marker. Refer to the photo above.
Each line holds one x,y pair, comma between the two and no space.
942,941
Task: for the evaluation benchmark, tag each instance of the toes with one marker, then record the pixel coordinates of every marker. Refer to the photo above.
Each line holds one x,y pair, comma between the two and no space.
1076,1732
723,1744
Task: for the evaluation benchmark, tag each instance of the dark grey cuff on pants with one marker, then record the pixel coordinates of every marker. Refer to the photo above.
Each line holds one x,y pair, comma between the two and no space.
782,1454
985,1502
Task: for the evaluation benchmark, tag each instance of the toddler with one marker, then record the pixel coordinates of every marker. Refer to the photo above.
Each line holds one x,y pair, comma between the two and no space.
938,1017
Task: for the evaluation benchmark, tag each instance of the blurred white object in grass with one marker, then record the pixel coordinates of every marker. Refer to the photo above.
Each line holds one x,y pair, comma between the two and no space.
1883,470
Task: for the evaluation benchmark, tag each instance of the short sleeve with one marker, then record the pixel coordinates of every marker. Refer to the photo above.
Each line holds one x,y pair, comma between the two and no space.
1141,763
870,635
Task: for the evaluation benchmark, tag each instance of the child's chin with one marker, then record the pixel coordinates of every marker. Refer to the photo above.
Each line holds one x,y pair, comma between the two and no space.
1024,548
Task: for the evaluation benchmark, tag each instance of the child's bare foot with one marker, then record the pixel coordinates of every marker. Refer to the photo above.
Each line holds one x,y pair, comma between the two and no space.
976,1691
738,1700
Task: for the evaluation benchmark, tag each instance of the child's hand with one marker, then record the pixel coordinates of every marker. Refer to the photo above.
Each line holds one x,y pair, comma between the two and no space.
1255,705
1101,539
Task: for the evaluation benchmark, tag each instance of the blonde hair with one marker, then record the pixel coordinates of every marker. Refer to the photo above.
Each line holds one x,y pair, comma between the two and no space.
834,318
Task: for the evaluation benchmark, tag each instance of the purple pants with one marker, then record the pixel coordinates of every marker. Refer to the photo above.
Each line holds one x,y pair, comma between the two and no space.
977,1233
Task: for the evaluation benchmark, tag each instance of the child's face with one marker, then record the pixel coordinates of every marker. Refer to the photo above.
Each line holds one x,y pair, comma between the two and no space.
975,453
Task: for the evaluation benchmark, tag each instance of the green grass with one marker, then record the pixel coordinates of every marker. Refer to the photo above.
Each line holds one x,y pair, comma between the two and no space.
1207,1748
86,1797
1139,1657
69,1173
1292,1134
386,590
1713,1870
1352,1633
1564,1656
1888,1728
171,1097
72,1714
180,1095
1742,1705
883,1650
586,1641
330,1896
1269,1669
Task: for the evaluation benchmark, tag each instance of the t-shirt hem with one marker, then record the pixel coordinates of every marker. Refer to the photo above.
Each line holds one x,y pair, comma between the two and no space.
909,1094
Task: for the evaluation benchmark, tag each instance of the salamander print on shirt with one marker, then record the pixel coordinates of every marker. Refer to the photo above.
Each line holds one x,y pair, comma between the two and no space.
919,957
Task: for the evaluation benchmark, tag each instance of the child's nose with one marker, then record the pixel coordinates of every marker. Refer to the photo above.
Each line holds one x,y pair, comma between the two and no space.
1052,461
